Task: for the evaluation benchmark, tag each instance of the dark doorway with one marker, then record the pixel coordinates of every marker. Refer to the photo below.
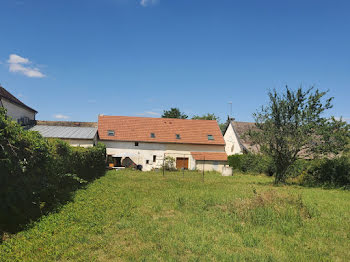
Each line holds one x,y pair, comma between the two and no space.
117,161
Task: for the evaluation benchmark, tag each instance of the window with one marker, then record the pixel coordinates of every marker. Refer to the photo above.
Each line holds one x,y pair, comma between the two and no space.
153,135
136,143
178,136
147,161
110,132
154,158
210,137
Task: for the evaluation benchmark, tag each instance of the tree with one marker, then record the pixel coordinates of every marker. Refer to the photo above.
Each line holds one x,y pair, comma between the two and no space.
292,126
174,113
208,116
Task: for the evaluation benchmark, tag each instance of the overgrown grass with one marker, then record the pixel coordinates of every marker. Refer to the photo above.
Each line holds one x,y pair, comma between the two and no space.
133,216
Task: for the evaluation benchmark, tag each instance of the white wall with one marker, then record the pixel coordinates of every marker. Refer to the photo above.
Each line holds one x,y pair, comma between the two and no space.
210,165
139,154
17,112
80,142
145,151
232,145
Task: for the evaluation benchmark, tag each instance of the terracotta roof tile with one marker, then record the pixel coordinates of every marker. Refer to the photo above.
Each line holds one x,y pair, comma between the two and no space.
139,129
215,156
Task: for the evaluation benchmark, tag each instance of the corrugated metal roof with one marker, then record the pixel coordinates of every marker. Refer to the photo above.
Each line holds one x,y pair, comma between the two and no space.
67,132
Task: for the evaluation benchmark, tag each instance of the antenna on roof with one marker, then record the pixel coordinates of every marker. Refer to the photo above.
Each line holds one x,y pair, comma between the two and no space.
230,103
230,115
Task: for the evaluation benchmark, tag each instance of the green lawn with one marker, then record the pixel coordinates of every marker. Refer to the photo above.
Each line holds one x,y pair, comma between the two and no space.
130,216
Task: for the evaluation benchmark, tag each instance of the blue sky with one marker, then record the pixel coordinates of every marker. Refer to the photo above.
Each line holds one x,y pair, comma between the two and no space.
75,59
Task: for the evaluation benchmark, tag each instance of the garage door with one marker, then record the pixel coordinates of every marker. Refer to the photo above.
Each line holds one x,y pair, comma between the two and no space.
181,162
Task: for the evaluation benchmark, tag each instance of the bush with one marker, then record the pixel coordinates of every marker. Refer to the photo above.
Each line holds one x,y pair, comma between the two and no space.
37,175
253,163
333,172
89,163
169,163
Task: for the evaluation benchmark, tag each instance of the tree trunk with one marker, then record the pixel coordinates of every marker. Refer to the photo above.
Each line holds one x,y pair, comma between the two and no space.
281,170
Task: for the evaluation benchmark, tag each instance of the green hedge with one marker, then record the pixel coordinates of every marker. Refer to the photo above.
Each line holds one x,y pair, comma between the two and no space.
252,163
332,172
38,175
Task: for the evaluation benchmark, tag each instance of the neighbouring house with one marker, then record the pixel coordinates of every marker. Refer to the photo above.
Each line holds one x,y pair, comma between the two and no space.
235,139
16,109
151,141
83,134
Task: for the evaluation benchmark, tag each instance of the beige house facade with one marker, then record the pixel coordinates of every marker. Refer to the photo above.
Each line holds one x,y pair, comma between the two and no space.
152,155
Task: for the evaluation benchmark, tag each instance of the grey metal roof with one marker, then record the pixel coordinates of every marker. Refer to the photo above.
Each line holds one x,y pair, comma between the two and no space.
67,132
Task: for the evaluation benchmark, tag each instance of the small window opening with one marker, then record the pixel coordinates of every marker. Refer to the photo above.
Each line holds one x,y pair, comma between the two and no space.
147,161
110,132
210,137
154,158
153,135
178,136
136,143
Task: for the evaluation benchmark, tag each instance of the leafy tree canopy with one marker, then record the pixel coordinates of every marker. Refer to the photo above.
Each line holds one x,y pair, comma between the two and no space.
174,113
292,125
208,116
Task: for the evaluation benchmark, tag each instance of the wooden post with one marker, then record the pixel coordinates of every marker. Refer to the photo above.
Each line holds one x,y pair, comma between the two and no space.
183,168
203,166
163,163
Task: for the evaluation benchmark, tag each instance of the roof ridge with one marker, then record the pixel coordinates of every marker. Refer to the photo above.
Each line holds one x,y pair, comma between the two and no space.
66,123
164,118
7,95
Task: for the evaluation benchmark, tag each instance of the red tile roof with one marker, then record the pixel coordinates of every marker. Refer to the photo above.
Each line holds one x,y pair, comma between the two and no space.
7,95
215,156
139,129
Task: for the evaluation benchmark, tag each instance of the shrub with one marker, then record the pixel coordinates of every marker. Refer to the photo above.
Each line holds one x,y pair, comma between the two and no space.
89,163
253,163
169,163
37,175
334,172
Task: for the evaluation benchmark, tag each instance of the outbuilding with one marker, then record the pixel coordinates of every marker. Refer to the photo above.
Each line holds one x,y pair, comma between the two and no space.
83,134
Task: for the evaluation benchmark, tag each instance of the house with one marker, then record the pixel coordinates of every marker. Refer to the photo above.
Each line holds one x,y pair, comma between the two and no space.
235,139
151,141
16,109
83,134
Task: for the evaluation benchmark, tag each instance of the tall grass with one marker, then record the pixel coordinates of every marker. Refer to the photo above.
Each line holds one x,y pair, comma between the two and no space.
142,216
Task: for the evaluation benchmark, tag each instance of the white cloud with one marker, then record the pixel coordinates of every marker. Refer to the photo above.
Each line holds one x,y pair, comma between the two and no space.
149,113
18,64
145,3
16,59
60,116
